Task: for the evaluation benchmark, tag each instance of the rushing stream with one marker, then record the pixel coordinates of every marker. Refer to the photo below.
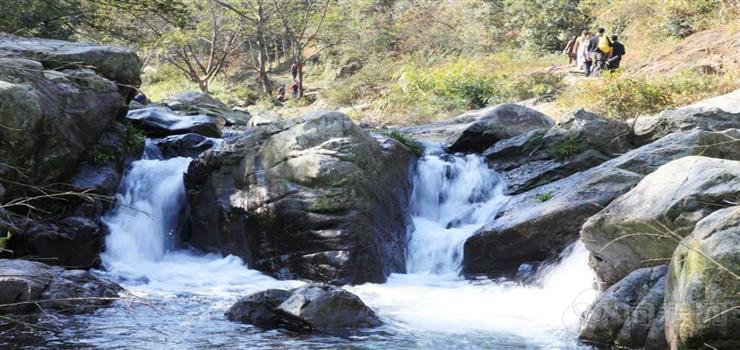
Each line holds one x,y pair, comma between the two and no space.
178,297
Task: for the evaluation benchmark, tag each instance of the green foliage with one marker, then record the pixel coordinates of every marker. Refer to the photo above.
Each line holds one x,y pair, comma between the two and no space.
100,155
565,148
544,197
134,138
405,139
546,26
685,17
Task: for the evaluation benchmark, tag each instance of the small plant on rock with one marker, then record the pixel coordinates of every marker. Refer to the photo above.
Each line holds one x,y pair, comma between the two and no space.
413,144
565,148
544,197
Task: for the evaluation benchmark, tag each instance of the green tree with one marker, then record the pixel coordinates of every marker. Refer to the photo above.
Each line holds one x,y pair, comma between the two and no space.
545,25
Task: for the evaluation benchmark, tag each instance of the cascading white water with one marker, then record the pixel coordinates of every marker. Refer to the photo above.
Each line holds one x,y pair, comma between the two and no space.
141,227
430,307
453,196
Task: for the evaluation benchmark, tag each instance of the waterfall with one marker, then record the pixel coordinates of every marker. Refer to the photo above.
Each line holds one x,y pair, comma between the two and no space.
139,246
431,306
453,196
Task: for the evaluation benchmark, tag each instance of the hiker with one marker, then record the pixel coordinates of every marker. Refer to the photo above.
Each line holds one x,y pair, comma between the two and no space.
584,56
281,94
581,42
294,91
294,71
600,48
570,49
617,53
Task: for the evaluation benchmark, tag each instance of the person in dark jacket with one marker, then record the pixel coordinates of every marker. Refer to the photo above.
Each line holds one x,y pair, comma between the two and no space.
294,71
598,56
617,53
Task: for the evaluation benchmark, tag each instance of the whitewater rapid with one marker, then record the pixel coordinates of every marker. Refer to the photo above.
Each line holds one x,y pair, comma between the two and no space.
430,306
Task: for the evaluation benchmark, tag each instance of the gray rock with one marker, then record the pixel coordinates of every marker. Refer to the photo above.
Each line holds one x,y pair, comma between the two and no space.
73,242
630,313
648,129
120,65
51,119
36,287
310,308
348,69
702,286
642,227
496,123
187,145
580,141
537,225
318,199
199,103
160,121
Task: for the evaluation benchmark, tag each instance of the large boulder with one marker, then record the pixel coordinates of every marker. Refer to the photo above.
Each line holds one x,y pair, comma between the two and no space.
161,121
643,227
50,119
120,65
313,307
496,123
537,225
34,287
579,141
72,242
200,103
630,313
648,129
319,199
702,291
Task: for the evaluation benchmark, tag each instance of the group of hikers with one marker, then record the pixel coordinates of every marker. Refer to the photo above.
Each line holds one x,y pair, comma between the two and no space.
595,53
294,87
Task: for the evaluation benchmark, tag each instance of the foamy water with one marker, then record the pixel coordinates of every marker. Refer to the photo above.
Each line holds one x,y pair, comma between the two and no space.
430,307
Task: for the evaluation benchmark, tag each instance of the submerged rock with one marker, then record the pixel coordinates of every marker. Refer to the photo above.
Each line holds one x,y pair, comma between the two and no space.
642,227
160,121
313,307
318,199
496,123
630,313
702,288
36,287
578,142
537,225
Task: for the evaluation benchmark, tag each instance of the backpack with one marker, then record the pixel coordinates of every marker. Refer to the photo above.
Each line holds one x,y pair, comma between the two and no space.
605,45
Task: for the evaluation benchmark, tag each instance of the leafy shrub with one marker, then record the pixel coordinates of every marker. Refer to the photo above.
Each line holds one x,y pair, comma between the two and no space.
413,144
134,137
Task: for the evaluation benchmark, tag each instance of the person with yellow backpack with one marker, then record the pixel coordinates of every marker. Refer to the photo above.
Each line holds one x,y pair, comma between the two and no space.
600,48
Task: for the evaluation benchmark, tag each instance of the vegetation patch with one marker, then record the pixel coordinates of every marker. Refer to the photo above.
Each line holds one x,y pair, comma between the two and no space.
544,197
565,148
134,137
405,139
101,155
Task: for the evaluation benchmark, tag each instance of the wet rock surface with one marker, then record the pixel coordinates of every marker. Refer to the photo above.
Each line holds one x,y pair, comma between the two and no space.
319,199
34,287
537,225
311,308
